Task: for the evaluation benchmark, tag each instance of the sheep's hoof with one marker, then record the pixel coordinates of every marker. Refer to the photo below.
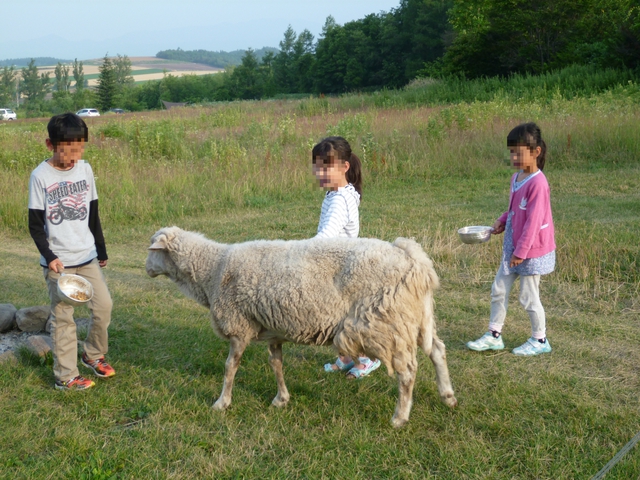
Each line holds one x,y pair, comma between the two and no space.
220,405
277,402
450,401
398,422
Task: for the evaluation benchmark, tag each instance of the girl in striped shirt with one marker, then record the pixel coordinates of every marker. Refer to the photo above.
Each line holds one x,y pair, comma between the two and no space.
338,171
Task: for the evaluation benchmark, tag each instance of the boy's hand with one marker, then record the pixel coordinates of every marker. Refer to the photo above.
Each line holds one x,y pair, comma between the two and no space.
102,263
515,261
498,228
56,265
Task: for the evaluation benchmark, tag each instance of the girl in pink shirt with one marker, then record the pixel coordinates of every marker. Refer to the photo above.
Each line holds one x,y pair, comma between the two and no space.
529,245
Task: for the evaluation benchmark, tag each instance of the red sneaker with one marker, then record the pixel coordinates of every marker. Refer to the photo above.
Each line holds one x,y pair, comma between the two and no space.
99,366
76,383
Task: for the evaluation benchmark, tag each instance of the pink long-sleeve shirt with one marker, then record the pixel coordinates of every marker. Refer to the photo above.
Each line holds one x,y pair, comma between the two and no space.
532,223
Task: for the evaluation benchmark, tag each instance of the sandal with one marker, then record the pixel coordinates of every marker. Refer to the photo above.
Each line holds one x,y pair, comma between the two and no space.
342,367
369,366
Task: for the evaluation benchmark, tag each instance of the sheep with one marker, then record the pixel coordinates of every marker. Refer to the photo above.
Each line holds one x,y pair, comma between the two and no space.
364,296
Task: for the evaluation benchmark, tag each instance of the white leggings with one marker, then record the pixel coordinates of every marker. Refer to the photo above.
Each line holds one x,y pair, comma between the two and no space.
529,298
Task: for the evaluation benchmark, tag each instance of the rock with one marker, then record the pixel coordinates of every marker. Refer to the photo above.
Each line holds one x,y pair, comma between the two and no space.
32,319
7,317
39,344
8,357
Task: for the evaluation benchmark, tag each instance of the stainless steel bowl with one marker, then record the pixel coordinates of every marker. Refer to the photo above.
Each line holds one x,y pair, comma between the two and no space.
74,289
475,234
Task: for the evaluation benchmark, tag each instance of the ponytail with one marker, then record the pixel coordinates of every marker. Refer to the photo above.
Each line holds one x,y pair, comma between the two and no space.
332,148
354,174
529,135
541,158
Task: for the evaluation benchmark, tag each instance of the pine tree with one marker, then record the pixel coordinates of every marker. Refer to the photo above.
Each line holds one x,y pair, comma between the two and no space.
107,87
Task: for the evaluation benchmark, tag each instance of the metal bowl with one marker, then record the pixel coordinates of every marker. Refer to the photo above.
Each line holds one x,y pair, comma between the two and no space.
74,289
475,234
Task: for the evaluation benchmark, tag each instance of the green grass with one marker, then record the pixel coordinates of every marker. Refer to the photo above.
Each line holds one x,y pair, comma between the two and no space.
241,171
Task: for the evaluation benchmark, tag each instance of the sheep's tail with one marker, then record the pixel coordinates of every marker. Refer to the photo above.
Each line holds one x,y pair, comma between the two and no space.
431,281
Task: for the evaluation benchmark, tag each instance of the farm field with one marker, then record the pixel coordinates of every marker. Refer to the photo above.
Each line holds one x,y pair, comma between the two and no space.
143,69
242,171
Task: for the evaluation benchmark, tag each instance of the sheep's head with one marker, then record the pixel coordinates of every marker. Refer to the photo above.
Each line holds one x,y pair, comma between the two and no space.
159,261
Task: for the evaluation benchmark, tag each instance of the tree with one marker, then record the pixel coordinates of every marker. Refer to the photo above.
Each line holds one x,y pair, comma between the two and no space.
107,87
8,77
303,62
421,32
78,75
331,58
283,61
267,73
122,68
246,81
501,37
62,78
34,85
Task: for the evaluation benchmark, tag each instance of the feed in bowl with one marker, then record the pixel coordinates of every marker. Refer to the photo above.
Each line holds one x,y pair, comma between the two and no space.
475,234
74,289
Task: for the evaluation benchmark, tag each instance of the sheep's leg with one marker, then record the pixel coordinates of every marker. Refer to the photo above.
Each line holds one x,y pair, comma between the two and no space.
236,349
275,360
439,359
406,380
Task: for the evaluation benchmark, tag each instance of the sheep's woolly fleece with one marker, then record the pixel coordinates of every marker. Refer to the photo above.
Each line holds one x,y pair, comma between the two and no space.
364,295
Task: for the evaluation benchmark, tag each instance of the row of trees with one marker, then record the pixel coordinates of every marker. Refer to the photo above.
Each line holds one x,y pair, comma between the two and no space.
28,87
470,38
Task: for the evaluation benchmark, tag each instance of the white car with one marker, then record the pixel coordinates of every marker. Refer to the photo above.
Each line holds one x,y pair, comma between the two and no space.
88,112
7,114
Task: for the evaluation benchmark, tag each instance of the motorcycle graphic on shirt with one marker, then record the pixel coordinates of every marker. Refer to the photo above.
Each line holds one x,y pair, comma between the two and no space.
67,201
64,212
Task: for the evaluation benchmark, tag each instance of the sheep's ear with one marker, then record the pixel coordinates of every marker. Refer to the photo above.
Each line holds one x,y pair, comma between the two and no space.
160,243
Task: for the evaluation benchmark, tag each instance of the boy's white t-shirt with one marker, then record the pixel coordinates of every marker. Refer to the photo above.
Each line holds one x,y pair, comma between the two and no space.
65,195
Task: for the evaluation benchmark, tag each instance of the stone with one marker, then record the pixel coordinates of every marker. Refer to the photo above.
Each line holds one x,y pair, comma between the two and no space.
33,319
7,317
39,345
8,357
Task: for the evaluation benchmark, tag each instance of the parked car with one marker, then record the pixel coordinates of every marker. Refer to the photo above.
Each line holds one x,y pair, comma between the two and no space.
88,112
117,110
7,114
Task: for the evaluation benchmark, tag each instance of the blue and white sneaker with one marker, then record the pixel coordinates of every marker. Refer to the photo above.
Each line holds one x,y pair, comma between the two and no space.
532,347
486,342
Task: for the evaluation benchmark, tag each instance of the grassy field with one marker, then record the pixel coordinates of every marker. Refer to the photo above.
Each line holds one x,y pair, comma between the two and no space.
242,171
143,69
134,73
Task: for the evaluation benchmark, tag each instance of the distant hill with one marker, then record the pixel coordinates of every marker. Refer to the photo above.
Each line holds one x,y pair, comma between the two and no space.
40,61
219,59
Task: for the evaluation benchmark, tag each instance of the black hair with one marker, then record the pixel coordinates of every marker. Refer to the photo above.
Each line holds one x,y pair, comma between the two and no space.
332,148
528,134
67,127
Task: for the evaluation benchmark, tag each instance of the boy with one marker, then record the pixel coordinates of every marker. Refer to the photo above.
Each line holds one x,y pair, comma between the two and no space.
64,223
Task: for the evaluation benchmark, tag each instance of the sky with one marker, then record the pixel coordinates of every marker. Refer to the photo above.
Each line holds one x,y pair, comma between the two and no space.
90,29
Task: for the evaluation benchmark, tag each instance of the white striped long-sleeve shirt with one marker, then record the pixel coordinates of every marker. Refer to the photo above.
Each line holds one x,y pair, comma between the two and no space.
339,216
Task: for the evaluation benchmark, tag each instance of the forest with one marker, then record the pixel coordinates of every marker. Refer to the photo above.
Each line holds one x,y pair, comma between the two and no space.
443,40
